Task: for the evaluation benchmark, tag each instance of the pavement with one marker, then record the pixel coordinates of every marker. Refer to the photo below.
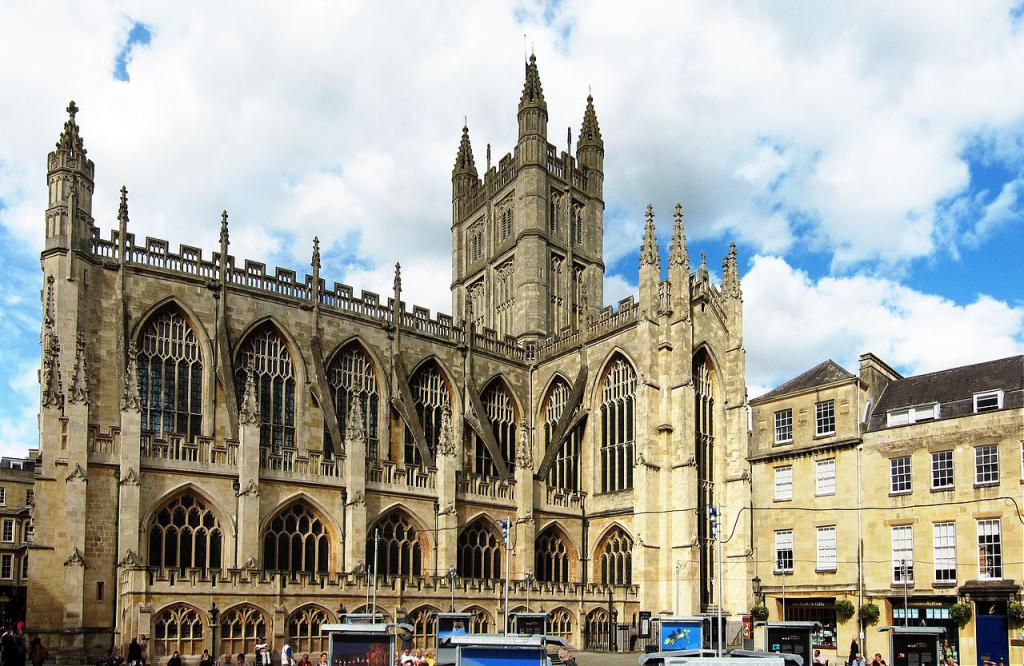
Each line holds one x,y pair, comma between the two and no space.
607,658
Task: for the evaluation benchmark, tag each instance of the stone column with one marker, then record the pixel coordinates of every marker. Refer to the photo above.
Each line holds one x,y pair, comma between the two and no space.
131,434
526,531
248,519
355,486
448,519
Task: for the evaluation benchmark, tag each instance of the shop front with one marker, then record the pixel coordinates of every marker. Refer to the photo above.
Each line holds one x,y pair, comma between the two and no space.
822,611
927,612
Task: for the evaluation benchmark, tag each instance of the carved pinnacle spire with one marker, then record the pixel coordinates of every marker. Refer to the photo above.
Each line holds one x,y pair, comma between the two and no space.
446,438
355,429
677,254
224,238
649,255
398,277
249,414
70,140
52,387
464,163
533,93
316,252
590,131
122,209
702,272
731,274
80,379
130,387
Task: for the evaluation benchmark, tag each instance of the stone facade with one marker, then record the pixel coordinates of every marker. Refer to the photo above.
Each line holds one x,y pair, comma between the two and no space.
228,452
16,500
914,470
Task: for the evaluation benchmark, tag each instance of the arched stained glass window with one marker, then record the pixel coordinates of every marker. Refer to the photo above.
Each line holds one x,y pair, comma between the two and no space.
170,374
304,630
560,623
424,627
479,551
618,405
240,627
266,350
552,555
185,534
615,558
502,418
704,412
565,468
430,393
481,622
178,628
400,549
296,541
351,375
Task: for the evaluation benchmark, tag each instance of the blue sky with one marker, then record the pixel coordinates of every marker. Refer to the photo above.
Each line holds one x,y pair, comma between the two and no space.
868,161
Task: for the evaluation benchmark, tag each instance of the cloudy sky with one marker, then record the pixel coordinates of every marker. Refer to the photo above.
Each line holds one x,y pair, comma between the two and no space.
868,161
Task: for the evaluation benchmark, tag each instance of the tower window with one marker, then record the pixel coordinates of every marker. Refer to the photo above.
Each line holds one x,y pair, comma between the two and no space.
505,222
476,242
170,369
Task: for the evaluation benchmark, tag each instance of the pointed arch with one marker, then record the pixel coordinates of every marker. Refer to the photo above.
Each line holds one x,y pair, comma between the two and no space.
705,412
555,555
173,362
297,539
424,626
597,634
613,556
479,550
403,545
609,358
278,370
562,623
433,390
305,628
179,627
564,471
353,373
615,395
502,414
240,626
481,622
184,532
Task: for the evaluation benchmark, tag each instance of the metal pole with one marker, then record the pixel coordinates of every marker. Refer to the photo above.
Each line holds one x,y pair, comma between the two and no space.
718,574
451,581
508,566
529,575
373,609
903,575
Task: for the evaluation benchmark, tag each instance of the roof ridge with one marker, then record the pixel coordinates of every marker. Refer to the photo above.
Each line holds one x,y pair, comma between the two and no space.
962,367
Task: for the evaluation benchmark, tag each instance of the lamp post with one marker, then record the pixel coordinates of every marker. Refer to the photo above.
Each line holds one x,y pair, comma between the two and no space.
452,575
903,576
713,511
528,574
755,587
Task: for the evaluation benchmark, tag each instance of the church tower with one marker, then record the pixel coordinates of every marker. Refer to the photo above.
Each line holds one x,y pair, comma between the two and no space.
528,238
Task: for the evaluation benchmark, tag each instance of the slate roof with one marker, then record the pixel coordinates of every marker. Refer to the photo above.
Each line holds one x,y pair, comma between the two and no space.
822,374
954,389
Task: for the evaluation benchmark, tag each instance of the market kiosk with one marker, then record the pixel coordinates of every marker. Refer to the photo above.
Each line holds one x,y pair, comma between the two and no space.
791,638
448,625
528,624
915,646
496,650
360,644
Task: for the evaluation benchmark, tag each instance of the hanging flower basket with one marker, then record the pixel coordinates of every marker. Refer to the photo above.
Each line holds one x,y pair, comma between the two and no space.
845,610
759,613
960,613
1015,611
868,615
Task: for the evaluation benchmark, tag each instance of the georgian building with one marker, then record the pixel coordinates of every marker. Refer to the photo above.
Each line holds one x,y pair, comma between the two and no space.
228,451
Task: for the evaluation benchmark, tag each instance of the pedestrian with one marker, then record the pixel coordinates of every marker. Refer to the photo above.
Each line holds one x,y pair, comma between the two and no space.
205,659
37,653
286,655
854,651
225,660
859,660
818,659
948,653
878,661
135,653
305,661
175,659
407,659
323,660
241,658
261,647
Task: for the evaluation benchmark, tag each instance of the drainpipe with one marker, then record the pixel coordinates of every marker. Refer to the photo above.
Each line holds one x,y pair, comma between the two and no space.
344,525
437,507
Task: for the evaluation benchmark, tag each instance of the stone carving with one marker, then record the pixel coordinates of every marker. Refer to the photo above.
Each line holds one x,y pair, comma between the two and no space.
52,387
524,449
677,254
130,560
77,474
250,563
76,559
526,519
251,489
130,390
355,430
80,379
446,441
249,413
358,499
449,510
130,478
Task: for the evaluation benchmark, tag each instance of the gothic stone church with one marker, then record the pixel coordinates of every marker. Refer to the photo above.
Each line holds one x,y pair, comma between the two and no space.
224,448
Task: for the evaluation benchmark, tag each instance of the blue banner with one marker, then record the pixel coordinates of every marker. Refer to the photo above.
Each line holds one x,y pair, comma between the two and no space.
680,635
488,656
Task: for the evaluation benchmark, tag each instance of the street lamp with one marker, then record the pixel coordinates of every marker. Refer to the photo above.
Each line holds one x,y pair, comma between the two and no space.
452,575
528,574
755,587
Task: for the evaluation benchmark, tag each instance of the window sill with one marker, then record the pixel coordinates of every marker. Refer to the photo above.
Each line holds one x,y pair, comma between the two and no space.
789,499
943,489
831,494
986,484
825,571
783,572
781,442
944,583
824,435
900,493
897,585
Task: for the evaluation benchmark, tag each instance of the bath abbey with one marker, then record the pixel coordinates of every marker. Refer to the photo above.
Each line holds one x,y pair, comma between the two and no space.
228,452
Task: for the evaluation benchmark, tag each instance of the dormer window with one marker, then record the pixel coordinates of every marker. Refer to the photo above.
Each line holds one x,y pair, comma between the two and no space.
908,415
987,401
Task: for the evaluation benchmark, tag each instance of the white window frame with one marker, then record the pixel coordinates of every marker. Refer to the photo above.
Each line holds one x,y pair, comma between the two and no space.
787,415
911,415
984,395
894,474
30,496
986,465
826,548
990,535
783,542
7,566
818,408
9,525
3,496
944,552
784,485
825,477
943,468
902,540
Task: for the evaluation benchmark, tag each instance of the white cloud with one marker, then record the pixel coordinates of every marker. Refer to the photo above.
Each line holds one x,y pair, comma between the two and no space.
792,323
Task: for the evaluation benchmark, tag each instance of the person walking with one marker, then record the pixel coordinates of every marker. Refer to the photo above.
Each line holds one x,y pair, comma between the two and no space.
205,659
878,661
286,655
305,661
323,660
37,653
135,653
859,660
175,659
854,651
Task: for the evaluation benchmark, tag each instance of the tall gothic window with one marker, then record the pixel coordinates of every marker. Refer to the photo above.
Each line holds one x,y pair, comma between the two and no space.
400,548
477,294
559,317
275,385
479,551
351,376
170,373
178,628
430,392
424,627
501,414
504,298
560,623
618,400
704,411
505,221
552,556
240,627
598,633
304,629
565,468
296,541
615,558
185,534
481,622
